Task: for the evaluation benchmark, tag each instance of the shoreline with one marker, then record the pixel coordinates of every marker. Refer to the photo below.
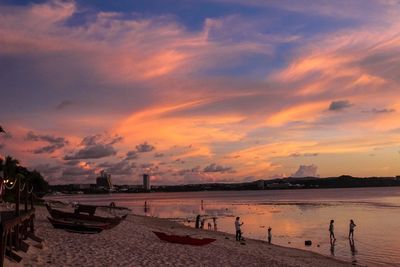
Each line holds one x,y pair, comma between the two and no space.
133,244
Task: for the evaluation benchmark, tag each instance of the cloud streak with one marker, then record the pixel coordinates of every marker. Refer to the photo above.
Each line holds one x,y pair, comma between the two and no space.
244,89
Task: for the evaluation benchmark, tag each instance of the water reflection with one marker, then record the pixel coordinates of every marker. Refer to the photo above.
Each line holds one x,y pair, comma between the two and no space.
352,247
332,248
294,216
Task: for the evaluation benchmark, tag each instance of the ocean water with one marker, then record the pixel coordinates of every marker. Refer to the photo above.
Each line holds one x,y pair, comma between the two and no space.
293,215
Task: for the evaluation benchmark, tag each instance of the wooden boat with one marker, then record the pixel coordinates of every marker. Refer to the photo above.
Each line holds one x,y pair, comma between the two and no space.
77,226
185,240
110,222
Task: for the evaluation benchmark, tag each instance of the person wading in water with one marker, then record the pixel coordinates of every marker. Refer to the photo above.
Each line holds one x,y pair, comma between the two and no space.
238,230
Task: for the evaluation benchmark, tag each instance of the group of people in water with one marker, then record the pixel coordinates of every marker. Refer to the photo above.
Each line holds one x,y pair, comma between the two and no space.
238,229
238,224
332,237
201,222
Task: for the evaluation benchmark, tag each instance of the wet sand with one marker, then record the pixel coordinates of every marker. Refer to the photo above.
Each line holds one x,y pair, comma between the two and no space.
132,243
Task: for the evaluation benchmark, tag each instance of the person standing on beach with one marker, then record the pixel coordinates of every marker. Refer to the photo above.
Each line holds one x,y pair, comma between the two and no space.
238,230
215,223
198,221
269,235
351,229
332,232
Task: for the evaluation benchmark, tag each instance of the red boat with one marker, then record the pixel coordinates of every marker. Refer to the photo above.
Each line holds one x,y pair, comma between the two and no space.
185,240
108,222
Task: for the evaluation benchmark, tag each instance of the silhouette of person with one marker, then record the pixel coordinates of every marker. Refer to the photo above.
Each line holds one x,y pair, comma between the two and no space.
332,232
202,207
269,235
209,226
202,223
238,230
198,221
146,209
215,223
351,229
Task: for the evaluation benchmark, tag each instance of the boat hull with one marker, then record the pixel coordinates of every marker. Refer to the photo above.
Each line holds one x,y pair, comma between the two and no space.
76,226
108,222
185,240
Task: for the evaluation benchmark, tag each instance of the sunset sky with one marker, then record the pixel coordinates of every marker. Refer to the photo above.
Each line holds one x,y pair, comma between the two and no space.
201,91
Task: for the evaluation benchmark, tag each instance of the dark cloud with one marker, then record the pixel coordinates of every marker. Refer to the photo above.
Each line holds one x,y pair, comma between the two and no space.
101,139
118,168
130,155
339,105
95,147
306,171
96,151
145,147
146,165
64,104
72,162
217,168
295,155
47,169
180,161
54,142
383,110
77,171
192,170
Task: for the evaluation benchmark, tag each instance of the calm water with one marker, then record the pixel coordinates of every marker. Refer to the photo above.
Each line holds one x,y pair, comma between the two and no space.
293,215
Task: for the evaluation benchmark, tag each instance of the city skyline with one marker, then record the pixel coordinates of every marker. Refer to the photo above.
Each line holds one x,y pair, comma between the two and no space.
197,92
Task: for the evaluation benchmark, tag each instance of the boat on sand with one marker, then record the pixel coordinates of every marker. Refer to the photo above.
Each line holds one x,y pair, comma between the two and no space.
78,226
185,240
78,216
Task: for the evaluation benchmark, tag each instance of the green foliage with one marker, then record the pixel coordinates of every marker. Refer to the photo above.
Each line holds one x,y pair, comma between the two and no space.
12,169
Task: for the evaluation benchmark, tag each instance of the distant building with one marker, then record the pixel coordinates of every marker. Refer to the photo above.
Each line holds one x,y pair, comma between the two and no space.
104,180
146,182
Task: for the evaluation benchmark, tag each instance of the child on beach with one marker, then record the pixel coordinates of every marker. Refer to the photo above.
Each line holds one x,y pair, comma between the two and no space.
351,229
332,232
269,235
238,230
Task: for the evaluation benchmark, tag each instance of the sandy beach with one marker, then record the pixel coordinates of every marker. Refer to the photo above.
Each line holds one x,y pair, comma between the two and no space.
132,243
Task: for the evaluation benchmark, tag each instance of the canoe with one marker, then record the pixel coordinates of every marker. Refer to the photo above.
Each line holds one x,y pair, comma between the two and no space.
109,221
185,240
77,226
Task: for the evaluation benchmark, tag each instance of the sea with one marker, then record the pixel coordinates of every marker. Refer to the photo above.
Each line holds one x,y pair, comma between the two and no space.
294,216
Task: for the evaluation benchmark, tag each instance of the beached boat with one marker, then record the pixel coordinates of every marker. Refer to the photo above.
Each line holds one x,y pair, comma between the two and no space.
78,226
109,222
185,240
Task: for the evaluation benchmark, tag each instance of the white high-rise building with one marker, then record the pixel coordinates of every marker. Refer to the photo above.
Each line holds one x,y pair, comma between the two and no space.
146,182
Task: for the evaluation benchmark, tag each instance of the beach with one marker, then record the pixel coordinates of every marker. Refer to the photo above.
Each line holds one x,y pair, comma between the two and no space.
132,243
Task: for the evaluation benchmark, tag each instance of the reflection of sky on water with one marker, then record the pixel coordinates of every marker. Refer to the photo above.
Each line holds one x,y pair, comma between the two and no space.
294,216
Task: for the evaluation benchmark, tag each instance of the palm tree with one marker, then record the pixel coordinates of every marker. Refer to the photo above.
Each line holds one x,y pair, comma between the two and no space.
9,167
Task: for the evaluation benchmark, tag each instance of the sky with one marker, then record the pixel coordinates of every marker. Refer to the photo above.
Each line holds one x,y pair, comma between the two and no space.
200,91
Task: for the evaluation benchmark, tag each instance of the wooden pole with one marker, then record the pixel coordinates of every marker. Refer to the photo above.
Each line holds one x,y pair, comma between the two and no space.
17,211
17,195
26,196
